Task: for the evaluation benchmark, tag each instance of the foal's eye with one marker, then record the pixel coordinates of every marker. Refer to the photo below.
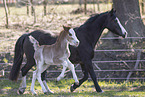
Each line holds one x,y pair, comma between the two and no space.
70,34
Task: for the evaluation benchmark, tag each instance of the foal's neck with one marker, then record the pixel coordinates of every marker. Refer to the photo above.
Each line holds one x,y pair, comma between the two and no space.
62,42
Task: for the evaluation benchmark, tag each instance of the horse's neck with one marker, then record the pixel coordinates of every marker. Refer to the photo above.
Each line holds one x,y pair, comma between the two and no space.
94,34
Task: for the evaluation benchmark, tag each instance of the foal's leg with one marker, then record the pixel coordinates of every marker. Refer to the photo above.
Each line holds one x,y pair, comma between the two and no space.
65,65
85,72
71,67
47,88
41,68
43,77
22,85
40,81
33,82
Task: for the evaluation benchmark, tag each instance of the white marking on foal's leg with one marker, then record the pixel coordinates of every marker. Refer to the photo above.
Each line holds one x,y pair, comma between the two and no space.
71,67
62,72
22,85
47,88
33,82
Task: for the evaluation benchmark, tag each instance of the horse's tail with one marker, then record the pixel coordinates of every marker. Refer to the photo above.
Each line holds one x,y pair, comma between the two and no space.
35,42
18,58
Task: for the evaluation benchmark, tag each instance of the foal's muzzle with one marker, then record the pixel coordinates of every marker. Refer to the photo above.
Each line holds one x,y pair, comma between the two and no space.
77,44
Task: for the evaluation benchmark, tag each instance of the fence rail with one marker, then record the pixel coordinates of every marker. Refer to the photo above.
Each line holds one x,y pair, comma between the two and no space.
130,70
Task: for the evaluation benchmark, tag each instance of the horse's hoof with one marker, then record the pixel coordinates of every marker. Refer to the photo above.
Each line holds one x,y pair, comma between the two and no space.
71,88
101,92
77,83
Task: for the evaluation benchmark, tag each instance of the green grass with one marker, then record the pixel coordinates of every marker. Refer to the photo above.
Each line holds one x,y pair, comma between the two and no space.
111,89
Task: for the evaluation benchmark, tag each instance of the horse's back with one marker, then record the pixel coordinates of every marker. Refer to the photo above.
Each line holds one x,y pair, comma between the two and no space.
43,37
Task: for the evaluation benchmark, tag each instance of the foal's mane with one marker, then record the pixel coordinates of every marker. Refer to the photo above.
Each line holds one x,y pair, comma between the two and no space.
61,36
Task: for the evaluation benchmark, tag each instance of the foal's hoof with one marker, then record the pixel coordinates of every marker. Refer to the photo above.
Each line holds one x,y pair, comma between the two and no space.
49,92
71,88
20,92
46,93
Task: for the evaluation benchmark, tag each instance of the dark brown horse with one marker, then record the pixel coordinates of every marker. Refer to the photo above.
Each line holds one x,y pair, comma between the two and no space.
88,35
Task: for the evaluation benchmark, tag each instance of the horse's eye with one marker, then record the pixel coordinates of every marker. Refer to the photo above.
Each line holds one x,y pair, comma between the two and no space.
70,34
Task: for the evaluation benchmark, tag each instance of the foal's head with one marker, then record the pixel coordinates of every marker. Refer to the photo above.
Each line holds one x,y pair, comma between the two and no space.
71,36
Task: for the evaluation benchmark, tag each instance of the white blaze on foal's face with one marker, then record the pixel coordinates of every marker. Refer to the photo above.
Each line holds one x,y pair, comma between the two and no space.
72,38
122,28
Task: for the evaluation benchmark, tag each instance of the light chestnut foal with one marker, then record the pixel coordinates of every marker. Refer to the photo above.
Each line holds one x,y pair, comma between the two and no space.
58,53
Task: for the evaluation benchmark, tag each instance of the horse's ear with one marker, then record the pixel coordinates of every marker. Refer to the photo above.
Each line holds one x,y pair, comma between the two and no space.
112,11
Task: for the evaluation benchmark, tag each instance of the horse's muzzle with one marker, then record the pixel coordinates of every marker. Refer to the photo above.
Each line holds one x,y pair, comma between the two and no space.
124,35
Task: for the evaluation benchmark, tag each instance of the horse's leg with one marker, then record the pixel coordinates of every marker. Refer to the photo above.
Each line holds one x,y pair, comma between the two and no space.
22,85
65,65
29,52
93,75
71,67
30,63
33,82
85,72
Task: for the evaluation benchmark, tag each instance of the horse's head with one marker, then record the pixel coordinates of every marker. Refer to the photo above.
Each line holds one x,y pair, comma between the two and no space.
71,36
114,25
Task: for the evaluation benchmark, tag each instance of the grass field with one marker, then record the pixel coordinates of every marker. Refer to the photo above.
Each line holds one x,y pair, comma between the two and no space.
61,89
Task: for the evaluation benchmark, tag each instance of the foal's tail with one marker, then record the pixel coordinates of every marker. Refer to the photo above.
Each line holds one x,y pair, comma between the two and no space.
18,58
34,41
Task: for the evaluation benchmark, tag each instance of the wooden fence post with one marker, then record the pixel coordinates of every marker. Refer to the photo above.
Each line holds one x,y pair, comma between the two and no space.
85,6
6,12
98,6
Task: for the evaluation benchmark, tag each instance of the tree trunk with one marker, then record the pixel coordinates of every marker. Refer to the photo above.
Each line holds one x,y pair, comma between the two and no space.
128,12
33,10
32,7
45,4
80,3
98,5
27,8
85,6
6,11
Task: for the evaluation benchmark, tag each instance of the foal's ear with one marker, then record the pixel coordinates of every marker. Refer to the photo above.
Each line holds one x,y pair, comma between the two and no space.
66,28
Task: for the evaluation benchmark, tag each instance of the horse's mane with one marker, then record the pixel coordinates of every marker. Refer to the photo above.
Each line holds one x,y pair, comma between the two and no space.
94,17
